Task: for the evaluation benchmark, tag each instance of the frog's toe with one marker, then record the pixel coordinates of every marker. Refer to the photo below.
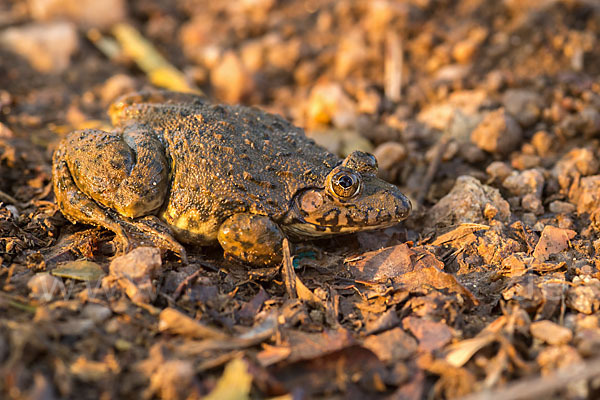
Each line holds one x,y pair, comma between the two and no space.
146,231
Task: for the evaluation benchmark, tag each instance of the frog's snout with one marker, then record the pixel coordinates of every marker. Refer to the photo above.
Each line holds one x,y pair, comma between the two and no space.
403,207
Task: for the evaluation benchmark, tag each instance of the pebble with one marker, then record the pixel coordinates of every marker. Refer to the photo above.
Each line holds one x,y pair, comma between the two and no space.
498,132
47,46
542,143
85,13
116,86
525,182
550,332
561,207
231,79
329,104
579,161
440,115
587,194
133,273
590,122
390,154
525,161
44,286
531,202
525,105
96,312
466,203
584,297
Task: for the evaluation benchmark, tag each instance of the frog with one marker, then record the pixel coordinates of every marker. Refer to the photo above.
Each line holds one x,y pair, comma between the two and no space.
176,170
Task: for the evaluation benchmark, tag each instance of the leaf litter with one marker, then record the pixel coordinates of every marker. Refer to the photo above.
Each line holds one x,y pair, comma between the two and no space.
486,114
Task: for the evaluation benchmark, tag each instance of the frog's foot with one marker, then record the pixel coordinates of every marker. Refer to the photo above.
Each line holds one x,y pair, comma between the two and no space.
147,231
254,239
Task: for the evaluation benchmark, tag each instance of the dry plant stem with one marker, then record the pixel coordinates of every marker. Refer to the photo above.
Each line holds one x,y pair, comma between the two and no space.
433,168
393,67
542,386
7,198
289,276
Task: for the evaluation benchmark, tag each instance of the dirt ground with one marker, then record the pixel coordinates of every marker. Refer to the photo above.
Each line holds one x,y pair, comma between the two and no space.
485,113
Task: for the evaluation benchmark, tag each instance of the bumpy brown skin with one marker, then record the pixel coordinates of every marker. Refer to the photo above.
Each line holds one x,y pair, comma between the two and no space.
213,172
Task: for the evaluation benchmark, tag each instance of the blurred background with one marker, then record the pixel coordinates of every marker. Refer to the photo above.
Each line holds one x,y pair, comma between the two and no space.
386,76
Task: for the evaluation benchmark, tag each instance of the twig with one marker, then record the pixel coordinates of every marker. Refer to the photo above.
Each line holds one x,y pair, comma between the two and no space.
393,63
433,167
7,198
289,275
542,386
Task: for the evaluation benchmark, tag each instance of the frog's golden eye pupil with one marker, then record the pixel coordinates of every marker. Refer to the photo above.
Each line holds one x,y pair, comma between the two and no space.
345,184
346,181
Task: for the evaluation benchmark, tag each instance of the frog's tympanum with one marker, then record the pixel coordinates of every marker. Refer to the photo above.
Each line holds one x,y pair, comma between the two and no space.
179,169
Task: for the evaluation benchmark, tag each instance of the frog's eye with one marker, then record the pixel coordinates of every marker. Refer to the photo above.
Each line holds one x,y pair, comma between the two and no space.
345,184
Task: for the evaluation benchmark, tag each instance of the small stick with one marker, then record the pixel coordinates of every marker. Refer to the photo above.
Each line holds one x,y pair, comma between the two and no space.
433,168
394,60
541,386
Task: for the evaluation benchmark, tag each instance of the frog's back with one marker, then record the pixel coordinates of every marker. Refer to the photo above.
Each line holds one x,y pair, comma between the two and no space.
230,159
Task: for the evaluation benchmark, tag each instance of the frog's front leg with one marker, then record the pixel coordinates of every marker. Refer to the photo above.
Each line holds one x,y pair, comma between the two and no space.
109,179
254,239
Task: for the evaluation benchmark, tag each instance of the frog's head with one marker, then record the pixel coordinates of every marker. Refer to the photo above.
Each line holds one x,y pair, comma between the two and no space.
353,199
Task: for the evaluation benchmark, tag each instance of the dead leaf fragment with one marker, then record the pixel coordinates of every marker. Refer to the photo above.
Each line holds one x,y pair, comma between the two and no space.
431,335
553,240
550,332
81,270
175,322
89,370
234,384
391,346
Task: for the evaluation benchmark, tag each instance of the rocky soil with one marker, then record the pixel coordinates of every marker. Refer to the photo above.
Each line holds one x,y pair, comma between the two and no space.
485,113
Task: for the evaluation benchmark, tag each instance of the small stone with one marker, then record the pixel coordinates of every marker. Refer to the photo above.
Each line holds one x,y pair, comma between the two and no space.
529,219
466,203
585,296
551,333
542,142
440,115
96,312
590,122
531,202
525,161
133,273
525,182
464,50
498,170
497,133
328,103
389,154
577,162
47,46
462,125
85,13
115,86
587,194
5,132
44,286
561,207
351,53
253,55
231,79
524,105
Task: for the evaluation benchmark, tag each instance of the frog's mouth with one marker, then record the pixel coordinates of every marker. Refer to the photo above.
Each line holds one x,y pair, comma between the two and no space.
306,229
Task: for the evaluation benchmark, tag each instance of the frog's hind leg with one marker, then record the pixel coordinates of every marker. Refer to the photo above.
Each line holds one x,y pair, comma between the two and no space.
96,173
